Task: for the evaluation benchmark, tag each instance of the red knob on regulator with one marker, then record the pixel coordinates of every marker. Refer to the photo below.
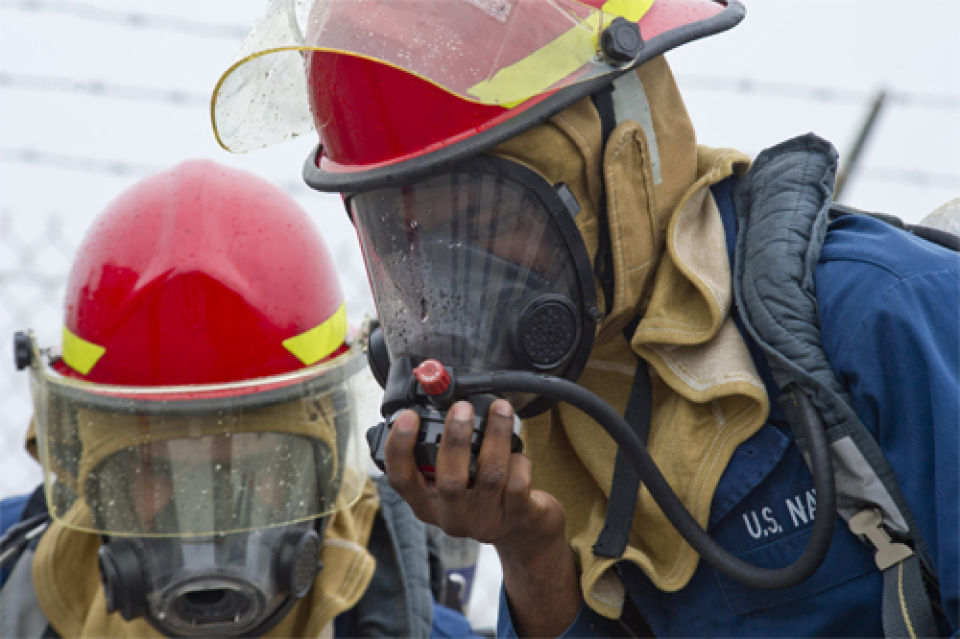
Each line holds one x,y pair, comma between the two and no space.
433,377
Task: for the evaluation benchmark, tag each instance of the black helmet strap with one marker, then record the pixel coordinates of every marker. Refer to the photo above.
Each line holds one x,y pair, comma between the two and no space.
603,262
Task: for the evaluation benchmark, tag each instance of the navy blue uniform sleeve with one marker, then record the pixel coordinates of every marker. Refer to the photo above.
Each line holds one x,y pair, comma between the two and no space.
587,624
447,622
891,329
11,509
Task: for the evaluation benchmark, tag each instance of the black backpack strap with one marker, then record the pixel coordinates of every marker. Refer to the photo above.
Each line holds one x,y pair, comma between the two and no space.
907,610
398,602
906,607
33,522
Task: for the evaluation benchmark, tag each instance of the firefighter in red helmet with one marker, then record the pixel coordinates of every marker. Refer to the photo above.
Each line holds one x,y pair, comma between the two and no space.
722,397
198,434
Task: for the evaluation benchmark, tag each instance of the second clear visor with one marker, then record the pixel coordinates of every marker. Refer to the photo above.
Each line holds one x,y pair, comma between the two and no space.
195,461
498,52
478,268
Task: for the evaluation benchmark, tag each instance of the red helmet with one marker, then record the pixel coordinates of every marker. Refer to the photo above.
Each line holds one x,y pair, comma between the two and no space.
204,323
397,88
197,275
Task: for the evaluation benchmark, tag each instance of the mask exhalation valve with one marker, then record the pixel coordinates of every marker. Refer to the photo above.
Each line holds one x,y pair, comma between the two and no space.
298,562
547,332
122,577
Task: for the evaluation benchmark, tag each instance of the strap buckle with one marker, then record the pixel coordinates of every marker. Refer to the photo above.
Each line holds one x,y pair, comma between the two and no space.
869,524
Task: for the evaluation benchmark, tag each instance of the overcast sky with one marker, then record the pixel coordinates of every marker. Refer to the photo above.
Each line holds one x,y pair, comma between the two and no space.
95,95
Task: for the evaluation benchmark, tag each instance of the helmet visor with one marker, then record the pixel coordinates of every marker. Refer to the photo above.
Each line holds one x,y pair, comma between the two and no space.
497,52
199,460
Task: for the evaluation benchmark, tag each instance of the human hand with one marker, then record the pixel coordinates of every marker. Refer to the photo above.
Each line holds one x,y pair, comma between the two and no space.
526,526
500,507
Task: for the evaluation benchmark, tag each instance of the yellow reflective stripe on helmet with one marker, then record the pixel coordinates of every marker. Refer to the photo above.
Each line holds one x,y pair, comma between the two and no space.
313,345
556,60
632,10
78,353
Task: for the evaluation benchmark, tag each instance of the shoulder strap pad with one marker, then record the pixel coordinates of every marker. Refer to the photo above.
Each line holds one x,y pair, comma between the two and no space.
783,208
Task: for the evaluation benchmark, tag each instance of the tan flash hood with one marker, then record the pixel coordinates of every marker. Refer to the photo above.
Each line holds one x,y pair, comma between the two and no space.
670,267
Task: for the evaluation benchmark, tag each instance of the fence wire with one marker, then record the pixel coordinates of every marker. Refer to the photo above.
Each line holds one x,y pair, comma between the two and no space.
35,257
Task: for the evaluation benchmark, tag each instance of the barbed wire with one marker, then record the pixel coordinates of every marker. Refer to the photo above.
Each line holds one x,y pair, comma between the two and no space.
123,168
81,163
104,166
777,89
19,155
141,20
133,19
100,88
910,176
749,86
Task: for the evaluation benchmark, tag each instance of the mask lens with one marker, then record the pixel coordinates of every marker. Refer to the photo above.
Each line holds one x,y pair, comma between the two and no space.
215,482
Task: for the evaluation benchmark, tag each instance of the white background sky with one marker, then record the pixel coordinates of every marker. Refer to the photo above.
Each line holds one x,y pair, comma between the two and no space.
96,94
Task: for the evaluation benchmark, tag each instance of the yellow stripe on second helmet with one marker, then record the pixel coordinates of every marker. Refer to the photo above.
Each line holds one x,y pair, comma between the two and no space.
555,60
313,345
78,353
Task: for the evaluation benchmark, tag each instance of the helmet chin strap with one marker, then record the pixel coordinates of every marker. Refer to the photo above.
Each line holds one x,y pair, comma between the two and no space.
603,262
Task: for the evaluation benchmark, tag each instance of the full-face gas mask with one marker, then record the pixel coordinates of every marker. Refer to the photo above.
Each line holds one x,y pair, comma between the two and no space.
210,499
479,266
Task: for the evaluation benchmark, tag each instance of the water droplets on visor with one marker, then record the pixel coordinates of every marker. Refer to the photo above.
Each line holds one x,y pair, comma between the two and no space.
493,52
198,460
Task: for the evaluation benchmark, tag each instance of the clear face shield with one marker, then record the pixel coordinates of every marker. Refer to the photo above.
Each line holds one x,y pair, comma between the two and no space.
495,52
207,496
481,267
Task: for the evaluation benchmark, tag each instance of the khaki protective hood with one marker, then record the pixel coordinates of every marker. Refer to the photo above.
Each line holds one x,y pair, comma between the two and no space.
68,587
670,267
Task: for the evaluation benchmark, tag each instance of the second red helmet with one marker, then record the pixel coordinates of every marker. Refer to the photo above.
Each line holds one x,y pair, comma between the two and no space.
200,274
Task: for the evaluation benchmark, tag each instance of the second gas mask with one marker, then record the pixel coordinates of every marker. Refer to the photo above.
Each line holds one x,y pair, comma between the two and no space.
210,500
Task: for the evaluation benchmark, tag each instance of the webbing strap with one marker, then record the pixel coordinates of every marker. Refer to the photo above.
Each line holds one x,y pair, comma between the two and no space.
907,610
906,605
625,485
603,262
